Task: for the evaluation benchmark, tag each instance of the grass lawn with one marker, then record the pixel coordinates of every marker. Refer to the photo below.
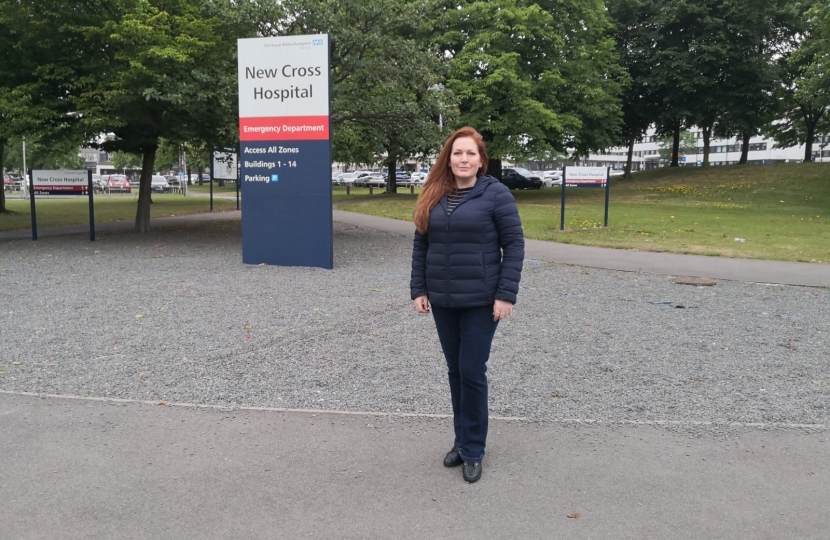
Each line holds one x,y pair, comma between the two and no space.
228,189
776,212
60,211
339,192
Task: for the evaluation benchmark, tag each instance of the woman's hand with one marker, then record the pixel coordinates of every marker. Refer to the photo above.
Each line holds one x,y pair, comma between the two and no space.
502,310
422,304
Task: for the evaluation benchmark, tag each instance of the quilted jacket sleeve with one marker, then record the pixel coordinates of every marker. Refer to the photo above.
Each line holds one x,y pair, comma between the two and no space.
418,280
511,238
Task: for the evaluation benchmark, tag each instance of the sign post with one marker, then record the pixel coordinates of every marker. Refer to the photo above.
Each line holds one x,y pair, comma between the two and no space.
285,151
90,190
585,177
31,189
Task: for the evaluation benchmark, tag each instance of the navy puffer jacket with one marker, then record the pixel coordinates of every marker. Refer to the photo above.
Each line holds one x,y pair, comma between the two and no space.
473,256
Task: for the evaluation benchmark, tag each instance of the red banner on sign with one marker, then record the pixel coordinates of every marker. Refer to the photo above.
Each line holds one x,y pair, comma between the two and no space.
284,128
66,190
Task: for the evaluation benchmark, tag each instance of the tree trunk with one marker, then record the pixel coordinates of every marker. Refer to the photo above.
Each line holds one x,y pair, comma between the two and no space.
2,168
707,139
392,177
744,148
630,157
675,147
494,168
142,216
201,182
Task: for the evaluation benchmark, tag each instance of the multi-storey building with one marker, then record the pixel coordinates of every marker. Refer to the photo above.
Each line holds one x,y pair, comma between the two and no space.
721,152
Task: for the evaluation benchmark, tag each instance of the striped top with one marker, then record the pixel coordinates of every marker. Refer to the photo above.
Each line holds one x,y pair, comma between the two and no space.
455,197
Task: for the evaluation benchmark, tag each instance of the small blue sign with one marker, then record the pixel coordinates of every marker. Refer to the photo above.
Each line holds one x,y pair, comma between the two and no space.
316,41
275,177
683,159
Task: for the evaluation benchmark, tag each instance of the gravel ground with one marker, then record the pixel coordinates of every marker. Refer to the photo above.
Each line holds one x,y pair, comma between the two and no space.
174,315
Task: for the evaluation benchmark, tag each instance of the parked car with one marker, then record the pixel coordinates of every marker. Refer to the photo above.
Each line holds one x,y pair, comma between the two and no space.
159,183
7,182
374,180
362,177
402,178
552,178
16,182
99,182
519,178
336,178
173,180
118,182
348,179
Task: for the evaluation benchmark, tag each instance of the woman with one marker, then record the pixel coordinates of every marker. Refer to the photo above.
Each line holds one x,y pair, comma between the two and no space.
466,264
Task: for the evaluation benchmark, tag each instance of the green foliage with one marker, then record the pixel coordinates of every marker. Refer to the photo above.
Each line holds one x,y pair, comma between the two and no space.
168,155
533,76
633,32
758,31
802,93
165,71
125,160
43,154
381,75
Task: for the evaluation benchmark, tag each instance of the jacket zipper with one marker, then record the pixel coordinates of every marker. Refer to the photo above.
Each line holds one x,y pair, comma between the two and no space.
449,216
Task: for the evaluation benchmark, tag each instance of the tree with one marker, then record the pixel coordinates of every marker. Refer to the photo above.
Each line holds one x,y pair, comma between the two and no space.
32,97
139,69
760,30
42,154
382,107
672,21
804,88
634,34
167,69
533,76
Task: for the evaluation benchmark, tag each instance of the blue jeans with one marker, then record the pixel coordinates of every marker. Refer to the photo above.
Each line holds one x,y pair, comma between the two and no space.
466,335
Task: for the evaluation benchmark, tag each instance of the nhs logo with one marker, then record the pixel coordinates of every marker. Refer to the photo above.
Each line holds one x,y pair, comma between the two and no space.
316,41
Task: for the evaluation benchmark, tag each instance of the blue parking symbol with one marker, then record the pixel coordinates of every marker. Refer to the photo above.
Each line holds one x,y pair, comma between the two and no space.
275,177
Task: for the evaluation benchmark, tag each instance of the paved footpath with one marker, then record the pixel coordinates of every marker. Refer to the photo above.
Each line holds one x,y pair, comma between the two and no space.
80,468
76,468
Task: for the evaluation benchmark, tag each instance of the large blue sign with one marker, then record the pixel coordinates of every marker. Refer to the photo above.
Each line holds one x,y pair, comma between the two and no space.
285,151
286,203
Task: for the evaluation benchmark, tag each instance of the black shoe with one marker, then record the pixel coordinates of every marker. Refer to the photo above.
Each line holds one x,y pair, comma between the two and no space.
471,471
453,457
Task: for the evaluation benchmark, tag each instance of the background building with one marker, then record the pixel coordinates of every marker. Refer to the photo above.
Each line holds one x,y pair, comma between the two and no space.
721,152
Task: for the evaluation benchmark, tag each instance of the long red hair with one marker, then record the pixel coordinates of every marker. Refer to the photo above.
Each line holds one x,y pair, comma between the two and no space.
441,181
